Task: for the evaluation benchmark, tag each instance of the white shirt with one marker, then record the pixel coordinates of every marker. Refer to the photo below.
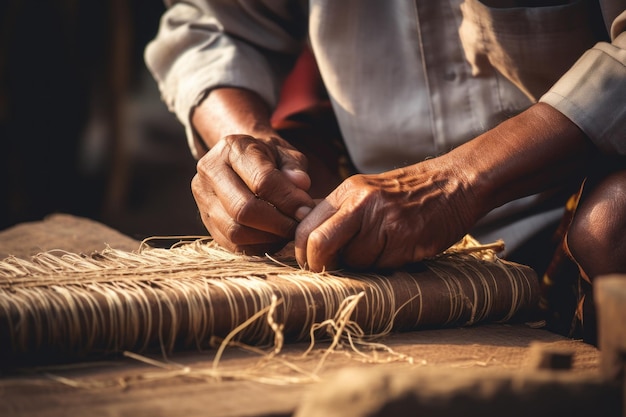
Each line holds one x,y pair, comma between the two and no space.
408,79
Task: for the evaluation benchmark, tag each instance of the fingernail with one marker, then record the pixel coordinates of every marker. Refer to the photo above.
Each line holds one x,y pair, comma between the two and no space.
295,171
302,212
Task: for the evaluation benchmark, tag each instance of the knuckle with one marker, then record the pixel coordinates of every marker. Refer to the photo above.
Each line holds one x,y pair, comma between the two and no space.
238,145
233,232
296,157
206,164
195,185
222,150
317,240
228,234
264,182
234,139
228,142
202,165
351,183
202,192
243,210
355,194
357,185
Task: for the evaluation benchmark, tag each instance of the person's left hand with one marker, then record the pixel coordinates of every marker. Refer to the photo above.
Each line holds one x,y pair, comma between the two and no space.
388,220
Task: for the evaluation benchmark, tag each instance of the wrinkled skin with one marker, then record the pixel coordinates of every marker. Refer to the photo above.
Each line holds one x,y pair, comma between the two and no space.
251,192
251,189
402,216
387,220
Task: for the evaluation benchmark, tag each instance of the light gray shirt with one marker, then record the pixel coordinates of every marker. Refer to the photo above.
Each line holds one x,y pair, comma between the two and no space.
408,79
403,83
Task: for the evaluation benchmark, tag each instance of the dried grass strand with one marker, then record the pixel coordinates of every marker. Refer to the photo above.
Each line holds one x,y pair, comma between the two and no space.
115,301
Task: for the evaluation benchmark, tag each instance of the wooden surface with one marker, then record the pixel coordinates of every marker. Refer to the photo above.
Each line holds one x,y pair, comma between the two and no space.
125,386
129,387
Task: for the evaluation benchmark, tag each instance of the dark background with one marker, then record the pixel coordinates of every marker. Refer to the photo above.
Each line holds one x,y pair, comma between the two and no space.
82,128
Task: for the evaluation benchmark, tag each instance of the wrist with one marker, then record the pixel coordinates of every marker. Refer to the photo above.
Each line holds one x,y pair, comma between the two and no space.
537,150
230,111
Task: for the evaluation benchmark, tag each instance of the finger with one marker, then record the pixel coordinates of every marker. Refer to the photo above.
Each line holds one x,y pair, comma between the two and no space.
252,244
284,186
368,253
238,238
365,249
275,187
321,213
299,178
321,236
239,235
294,165
241,205
216,218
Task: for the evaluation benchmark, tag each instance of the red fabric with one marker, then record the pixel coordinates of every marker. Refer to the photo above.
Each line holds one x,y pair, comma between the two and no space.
302,90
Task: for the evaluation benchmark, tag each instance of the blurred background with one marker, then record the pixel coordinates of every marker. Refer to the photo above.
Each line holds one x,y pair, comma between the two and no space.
82,126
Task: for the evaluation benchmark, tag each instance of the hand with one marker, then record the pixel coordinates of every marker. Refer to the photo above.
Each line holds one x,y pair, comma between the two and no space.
251,192
388,220
405,215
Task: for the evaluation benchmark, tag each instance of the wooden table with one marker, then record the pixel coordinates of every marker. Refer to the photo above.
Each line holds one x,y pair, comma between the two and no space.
177,385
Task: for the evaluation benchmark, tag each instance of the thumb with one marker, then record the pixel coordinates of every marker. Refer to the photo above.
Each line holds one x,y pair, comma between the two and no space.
298,177
294,165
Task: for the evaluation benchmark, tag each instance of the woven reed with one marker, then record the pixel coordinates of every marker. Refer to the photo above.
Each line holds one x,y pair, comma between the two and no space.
113,300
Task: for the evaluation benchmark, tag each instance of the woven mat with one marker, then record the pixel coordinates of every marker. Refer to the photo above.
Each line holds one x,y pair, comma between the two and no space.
136,386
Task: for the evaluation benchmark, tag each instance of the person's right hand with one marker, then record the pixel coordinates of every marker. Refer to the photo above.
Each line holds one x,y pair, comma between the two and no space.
251,192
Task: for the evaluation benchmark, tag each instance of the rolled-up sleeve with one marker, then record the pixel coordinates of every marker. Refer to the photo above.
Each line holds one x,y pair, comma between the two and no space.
202,45
593,92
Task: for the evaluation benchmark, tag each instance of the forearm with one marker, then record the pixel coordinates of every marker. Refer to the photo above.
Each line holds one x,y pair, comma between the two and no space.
228,111
202,45
532,152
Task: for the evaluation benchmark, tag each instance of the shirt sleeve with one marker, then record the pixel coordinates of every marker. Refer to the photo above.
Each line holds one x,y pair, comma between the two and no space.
593,92
204,44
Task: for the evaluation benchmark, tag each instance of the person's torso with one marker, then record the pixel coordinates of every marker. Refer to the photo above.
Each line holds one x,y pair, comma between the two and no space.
405,86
